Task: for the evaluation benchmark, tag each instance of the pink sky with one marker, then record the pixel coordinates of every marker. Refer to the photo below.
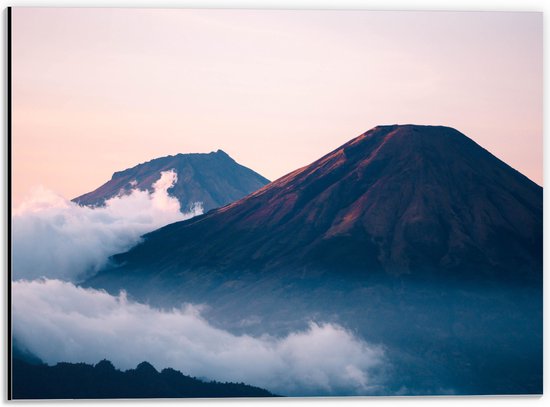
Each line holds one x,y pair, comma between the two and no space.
101,90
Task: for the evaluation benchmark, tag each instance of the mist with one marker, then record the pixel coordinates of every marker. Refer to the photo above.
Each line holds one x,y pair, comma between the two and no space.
58,243
56,238
58,321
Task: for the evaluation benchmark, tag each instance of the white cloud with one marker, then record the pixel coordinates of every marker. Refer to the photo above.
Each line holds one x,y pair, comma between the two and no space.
56,238
59,321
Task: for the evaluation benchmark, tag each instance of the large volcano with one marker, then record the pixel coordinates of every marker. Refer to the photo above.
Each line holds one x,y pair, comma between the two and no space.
397,199
414,237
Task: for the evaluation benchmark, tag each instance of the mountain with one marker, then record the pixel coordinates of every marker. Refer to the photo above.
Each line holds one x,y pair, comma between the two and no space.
396,199
412,237
214,179
83,381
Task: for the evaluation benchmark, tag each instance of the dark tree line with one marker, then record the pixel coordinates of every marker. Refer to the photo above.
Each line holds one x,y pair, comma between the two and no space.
103,381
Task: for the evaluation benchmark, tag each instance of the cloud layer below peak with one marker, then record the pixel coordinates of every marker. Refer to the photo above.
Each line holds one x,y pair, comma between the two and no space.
58,321
56,238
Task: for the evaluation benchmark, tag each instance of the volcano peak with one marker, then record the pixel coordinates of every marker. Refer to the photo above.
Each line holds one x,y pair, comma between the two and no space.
397,199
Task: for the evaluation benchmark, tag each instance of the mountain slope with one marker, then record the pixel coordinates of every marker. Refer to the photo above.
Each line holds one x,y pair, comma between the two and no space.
214,179
414,237
396,199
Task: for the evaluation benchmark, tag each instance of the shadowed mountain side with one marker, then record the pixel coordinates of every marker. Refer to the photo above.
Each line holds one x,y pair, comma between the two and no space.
83,381
440,338
214,179
412,236
398,199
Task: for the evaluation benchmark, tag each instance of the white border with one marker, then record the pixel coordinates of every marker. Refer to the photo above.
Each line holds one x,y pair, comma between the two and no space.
448,5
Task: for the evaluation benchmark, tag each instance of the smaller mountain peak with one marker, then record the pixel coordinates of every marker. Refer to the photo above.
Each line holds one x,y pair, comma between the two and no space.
221,152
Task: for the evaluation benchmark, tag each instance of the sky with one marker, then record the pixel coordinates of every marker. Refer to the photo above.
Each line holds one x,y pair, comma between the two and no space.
100,90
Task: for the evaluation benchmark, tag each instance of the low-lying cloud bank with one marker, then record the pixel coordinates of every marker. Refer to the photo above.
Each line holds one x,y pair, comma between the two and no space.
58,321
56,238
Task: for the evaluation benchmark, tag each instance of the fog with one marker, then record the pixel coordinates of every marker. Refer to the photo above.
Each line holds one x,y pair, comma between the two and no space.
58,321
57,243
56,238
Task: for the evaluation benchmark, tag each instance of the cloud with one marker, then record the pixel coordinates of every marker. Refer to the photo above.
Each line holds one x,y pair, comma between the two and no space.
56,238
59,321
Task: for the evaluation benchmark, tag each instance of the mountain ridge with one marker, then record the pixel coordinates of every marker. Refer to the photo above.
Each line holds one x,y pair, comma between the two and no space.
429,245
102,380
214,178
396,198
